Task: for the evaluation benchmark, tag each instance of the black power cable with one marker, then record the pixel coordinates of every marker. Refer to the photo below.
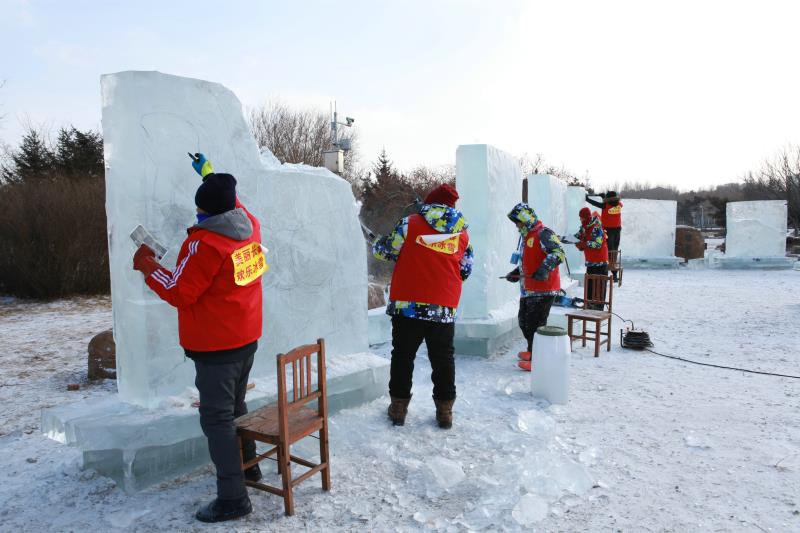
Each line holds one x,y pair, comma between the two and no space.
634,339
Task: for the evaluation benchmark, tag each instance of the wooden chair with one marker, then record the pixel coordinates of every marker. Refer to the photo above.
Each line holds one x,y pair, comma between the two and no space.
598,290
285,422
615,264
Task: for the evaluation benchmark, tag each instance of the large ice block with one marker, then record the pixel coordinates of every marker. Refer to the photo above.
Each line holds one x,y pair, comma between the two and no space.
316,285
648,233
756,229
575,201
489,183
548,197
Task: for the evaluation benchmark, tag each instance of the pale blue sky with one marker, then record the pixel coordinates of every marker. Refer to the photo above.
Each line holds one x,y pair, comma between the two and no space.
690,93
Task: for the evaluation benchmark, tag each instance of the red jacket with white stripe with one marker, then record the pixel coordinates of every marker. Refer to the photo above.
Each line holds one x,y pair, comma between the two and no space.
216,284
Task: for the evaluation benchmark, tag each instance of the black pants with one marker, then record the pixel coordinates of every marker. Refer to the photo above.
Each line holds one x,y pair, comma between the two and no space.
600,269
407,335
533,312
613,238
222,388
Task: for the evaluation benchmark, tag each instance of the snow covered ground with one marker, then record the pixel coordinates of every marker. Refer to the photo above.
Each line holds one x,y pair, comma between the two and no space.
645,444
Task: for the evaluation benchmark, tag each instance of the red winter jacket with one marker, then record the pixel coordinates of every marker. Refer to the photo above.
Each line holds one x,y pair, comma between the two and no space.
216,284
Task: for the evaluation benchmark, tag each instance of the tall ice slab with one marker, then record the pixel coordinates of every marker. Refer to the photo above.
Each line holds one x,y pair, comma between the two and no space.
648,233
316,285
489,182
756,235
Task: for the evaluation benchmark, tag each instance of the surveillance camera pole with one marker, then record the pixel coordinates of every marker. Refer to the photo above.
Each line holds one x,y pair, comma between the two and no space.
335,126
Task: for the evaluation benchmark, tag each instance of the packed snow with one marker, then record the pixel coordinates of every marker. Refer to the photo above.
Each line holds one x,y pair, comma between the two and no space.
644,444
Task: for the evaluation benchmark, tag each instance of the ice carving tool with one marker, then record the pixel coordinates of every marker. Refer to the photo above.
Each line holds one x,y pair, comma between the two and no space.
195,157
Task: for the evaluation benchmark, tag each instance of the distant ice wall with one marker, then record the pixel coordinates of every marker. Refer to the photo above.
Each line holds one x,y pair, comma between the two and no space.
489,182
648,228
317,283
756,229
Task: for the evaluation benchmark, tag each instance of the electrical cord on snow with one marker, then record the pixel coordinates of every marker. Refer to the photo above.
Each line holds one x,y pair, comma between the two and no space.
640,340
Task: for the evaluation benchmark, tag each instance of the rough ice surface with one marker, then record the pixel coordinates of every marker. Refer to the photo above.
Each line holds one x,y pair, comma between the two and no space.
308,216
447,472
489,182
529,510
575,201
648,229
755,229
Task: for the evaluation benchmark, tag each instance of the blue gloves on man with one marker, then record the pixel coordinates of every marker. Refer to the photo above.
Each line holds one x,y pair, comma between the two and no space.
202,165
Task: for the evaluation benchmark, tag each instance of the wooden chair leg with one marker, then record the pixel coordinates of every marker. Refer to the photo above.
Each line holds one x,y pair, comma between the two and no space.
584,325
609,335
284,457
324,456
597,337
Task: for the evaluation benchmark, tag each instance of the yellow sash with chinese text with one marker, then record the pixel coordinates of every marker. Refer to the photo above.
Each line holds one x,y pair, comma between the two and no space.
248,263
443,243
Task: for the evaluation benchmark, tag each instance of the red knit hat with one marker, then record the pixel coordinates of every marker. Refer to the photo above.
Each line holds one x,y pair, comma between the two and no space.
584,213
443,194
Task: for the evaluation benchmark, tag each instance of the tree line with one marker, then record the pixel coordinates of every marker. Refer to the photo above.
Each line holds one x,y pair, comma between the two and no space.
53,221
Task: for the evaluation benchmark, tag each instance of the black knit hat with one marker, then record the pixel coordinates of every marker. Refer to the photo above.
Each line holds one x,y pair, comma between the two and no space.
217,194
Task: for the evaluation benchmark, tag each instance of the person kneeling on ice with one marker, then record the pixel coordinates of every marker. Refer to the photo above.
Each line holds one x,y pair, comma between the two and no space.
433,258
594,245
216,287
538,258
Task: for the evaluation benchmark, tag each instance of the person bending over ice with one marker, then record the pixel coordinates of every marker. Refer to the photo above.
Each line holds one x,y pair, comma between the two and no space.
538,258
216,287
434,257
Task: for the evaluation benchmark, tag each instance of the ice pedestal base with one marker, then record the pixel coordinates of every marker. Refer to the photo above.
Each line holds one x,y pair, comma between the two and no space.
650,262
755,263
380,326
138,447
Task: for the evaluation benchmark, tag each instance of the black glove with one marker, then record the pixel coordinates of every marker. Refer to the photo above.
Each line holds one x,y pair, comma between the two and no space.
513,276
541,274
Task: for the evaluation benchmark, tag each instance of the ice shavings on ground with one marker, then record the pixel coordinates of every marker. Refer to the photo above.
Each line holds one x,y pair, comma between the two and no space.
645,443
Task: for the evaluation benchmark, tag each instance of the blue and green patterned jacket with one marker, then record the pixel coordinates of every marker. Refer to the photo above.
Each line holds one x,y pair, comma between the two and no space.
596,236
550,243
443,219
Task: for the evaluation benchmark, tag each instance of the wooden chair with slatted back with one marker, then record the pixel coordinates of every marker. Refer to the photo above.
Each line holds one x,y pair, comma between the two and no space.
615,264
598,292
285,422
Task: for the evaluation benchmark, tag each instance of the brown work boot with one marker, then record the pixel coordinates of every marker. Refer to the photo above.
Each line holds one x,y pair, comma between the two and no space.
444,412
398,410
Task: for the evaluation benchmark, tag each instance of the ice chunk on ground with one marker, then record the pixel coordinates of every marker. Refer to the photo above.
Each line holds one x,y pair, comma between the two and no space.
446,472
529,510
537,424
756,229
648,228
694,440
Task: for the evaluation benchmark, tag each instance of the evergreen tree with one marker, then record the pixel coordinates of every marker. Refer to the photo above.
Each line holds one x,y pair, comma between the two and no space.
79,154
33,159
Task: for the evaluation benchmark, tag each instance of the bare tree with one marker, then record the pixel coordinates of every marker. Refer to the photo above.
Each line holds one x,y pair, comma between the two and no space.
299,136
778,179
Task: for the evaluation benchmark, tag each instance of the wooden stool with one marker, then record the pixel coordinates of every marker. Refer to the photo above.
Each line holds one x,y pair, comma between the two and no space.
283,423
